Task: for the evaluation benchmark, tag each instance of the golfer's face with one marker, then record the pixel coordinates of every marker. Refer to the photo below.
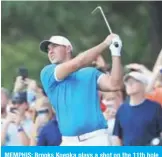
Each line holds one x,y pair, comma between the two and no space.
56,53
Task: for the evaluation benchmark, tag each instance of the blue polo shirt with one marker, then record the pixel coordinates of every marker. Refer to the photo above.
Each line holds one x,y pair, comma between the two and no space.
75,100
138,125
49,135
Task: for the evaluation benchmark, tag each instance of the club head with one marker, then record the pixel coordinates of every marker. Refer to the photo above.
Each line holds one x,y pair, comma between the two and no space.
107,24
99,7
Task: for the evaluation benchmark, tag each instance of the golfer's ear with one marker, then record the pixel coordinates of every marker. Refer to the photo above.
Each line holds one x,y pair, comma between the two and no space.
68,49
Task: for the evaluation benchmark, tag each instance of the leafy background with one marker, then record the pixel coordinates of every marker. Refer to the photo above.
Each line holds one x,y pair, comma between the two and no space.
26,23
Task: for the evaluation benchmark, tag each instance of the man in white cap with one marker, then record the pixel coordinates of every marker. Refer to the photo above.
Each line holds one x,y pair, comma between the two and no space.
138,122
72,88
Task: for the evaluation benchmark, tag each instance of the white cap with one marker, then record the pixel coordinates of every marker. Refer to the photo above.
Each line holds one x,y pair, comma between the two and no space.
137,76
60,40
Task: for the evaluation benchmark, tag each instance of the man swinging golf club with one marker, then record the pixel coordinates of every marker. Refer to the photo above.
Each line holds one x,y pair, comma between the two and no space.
72,88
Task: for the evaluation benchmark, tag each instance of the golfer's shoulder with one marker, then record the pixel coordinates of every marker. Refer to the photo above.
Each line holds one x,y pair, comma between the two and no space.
48,67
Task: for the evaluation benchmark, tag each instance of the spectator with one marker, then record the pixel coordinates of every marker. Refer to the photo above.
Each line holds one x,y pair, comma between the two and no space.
4,102
101,65
16,128
50,134
34,92
112,101
156,95
138,122
45,129
109,99
154,88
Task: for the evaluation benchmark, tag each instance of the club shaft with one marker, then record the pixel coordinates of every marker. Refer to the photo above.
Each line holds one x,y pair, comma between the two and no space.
108,26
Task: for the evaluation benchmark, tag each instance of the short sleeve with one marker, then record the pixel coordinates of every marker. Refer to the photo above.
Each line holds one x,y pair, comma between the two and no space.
117,128
47,76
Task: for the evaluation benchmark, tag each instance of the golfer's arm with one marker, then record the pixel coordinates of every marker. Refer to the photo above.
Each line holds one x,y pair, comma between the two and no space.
114,81
116,77
82,60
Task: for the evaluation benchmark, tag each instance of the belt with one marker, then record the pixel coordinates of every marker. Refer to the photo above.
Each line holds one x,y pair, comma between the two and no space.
85,136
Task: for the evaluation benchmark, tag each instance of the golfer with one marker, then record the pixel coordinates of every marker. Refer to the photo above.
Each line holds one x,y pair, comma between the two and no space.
72,88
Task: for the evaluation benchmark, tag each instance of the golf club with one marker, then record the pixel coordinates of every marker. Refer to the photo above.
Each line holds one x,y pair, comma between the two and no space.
106,21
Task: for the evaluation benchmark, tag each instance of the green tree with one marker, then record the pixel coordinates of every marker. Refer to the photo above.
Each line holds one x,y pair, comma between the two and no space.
26,23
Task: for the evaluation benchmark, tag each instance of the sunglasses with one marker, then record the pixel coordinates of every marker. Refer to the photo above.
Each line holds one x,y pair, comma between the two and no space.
44,111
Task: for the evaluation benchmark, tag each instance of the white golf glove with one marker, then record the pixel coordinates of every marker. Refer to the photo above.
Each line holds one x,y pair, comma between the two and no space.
116,46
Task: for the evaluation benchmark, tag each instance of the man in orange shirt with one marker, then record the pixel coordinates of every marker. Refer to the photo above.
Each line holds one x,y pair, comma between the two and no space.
156,95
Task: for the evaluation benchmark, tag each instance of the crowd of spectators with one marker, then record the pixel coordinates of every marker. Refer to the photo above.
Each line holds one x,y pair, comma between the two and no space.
27,117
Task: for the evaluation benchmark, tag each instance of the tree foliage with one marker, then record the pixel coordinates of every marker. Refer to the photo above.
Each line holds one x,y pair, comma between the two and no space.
26,23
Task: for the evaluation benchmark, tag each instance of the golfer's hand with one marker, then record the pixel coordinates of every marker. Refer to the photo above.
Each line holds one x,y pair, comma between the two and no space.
109,39
115,46
112,40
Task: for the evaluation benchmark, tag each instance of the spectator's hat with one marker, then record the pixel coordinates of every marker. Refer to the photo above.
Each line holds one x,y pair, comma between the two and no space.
59,40
137,76
19,97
